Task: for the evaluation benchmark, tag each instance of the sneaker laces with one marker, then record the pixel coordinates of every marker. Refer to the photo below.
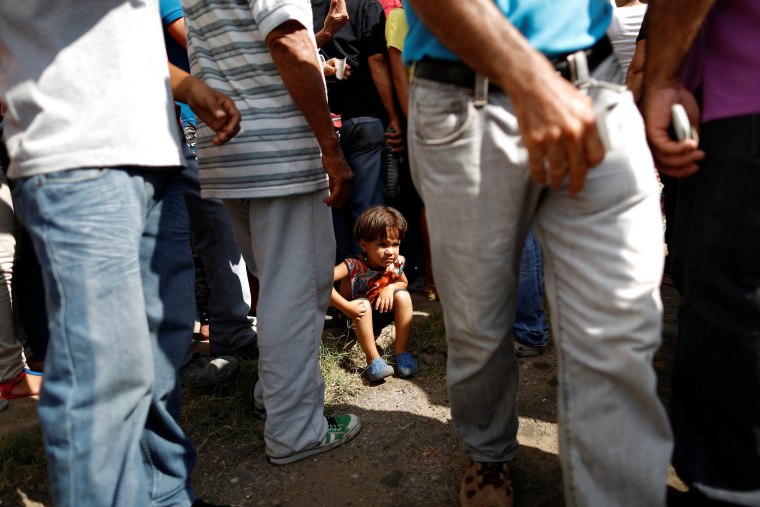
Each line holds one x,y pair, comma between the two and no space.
332,423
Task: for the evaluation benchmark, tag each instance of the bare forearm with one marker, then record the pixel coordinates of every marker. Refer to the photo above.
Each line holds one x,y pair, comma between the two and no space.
293,54
339,302
400,79
323,37
673,25
634,77
399,285
180,82
381,75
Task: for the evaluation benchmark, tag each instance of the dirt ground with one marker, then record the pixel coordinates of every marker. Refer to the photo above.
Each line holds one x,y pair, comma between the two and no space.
407,453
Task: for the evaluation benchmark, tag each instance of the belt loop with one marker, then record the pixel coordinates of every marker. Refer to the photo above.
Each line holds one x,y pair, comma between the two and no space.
578,63
481,90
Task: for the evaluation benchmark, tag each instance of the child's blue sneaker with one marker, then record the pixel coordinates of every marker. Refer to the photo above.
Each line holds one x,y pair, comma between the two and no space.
378,370
406,366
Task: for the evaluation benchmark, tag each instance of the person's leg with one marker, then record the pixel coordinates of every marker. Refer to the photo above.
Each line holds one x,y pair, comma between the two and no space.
168,276
230,298
12,360
530,326
362,141
364,328
603,264
406,365
86,225
716,381
402,319
365,335
476,196
29,294
428,289
289,241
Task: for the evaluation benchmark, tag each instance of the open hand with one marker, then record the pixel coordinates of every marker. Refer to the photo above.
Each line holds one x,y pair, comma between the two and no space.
384,301
337,16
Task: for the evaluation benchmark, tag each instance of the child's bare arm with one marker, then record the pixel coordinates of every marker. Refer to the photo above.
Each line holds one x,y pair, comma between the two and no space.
352,309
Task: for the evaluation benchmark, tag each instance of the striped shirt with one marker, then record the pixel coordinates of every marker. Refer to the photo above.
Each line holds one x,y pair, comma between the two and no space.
275,153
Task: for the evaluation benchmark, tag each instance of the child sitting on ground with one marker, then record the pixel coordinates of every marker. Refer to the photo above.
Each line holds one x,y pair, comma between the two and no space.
373,288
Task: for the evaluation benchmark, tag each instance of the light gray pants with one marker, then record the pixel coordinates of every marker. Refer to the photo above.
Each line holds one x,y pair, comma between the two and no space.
12,360
288,243
603,259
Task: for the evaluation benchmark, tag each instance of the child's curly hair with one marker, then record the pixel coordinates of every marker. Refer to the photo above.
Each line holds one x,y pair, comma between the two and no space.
375,222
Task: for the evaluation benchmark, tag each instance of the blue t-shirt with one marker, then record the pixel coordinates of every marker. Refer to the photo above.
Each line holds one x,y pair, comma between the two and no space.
552,27
171,11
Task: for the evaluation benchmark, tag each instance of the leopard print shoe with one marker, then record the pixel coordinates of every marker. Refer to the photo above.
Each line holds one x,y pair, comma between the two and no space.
486,485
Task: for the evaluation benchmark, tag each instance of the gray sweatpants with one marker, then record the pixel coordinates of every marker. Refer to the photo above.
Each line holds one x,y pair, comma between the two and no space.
289,244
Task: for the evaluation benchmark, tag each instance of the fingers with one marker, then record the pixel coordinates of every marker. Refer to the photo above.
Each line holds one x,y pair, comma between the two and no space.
576,169
672,155
556,168
339,193
383,305
590,153
228,118
678,172
537,165
564,156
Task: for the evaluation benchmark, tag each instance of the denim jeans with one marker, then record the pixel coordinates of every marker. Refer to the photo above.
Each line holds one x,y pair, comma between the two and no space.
530,324
213,242
602,253
362,141
715,398
115,252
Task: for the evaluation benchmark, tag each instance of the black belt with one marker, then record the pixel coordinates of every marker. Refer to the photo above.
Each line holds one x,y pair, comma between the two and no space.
459,74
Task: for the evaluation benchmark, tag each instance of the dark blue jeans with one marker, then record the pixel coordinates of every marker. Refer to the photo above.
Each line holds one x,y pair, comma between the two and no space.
362,141
213,242
530,324
715,407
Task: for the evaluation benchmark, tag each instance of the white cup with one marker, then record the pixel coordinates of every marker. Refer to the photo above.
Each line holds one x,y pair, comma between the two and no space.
340,67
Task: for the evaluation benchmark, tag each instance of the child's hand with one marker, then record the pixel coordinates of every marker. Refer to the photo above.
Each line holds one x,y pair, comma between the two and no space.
384,302
358,308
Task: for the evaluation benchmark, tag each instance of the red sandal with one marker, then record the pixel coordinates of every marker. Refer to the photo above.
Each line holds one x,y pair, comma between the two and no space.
6,388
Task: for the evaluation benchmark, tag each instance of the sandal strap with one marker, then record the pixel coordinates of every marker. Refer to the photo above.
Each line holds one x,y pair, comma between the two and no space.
6,388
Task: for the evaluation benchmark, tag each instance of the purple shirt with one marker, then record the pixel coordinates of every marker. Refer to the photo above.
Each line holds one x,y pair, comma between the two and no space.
726,60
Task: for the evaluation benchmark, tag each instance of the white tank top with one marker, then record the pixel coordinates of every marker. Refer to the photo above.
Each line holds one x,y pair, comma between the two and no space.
623,30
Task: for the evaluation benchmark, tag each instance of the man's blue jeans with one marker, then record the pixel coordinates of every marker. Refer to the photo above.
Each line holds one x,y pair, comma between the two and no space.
115,252
362,142
530,325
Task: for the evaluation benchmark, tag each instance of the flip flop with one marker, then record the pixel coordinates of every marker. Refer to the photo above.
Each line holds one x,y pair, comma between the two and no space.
6,389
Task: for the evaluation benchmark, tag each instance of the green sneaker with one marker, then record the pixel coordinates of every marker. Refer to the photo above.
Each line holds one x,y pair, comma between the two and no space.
341,429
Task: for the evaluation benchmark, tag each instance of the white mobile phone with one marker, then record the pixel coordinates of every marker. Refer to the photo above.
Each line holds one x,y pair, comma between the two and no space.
682,129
